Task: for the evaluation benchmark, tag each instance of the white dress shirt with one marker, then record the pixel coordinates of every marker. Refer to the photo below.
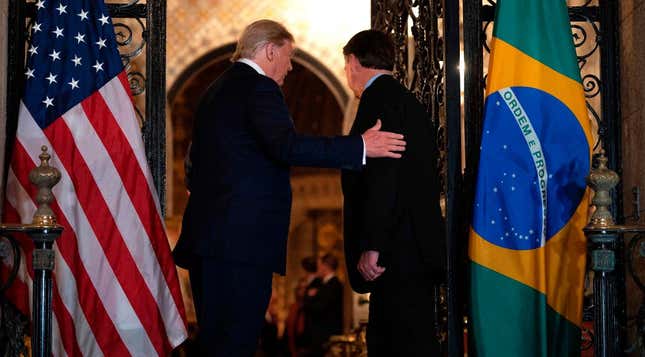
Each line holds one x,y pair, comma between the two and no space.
253,65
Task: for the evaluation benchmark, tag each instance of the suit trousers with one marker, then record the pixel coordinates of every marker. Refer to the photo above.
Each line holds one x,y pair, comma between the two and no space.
401,311
230,302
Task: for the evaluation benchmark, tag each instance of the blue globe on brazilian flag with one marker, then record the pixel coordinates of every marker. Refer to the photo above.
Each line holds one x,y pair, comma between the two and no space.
527,247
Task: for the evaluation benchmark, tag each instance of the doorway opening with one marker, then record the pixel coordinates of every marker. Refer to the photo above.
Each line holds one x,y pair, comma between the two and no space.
318,103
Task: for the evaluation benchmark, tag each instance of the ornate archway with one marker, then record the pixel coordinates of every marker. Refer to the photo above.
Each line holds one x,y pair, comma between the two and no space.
317,101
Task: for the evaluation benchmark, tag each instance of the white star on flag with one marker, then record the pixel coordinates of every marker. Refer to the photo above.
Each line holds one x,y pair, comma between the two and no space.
83,15
33,50
104,19
29,73
58,32
76,60
51,78
36,27
73,83
98,66
40,4
49,102
80,38
101,43
55,55
61,9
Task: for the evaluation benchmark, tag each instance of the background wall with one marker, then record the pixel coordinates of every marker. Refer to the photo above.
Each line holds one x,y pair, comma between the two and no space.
632,91
320,28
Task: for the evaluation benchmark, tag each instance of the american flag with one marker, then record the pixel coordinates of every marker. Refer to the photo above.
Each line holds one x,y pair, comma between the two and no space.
116,291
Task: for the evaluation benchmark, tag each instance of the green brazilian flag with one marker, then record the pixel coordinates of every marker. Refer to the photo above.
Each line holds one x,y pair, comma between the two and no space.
527,248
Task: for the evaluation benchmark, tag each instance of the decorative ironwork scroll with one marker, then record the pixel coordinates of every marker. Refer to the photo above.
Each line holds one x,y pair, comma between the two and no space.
15,327
414,27
635,324
426,38
141,35
13,324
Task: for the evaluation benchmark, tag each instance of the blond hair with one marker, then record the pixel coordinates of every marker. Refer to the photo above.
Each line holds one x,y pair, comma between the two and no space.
258,34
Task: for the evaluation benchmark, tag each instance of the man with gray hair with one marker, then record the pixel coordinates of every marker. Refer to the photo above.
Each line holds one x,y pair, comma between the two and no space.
235,226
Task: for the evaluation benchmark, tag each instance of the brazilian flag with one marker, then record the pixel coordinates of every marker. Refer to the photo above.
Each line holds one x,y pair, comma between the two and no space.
527,248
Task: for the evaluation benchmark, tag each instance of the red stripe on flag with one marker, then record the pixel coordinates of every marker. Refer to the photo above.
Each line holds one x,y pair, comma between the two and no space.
67,335
102,326
18,293
133,178
107,232
123,78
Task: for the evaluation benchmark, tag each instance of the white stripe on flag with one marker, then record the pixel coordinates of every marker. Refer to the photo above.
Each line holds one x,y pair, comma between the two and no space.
120,104
125,216
57,348
68,291
92,255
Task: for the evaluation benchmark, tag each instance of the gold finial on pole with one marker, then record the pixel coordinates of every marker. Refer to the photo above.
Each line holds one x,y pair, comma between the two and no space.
44,177
602,180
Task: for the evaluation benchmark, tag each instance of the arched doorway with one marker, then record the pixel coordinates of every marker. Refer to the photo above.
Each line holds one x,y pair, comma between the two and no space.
317,102
315,97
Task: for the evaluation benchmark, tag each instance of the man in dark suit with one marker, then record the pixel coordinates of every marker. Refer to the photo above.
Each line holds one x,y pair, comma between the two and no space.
393,224
323,305
234,229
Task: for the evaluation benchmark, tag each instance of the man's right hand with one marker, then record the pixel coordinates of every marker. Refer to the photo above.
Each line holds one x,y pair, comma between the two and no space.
382,143
368,266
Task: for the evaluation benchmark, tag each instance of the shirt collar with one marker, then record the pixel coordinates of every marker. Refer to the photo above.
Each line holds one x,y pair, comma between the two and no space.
253,65
369,83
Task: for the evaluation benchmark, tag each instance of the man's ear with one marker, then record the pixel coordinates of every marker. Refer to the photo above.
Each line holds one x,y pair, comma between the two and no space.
269,51
354,63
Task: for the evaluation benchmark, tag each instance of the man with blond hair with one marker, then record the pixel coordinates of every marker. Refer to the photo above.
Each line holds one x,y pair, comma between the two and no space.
235,226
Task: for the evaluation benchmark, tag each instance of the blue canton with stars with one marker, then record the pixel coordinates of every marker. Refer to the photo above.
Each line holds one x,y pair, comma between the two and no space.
508,202
73,53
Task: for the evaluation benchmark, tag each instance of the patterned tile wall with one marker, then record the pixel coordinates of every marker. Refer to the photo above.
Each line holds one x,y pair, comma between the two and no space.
321,28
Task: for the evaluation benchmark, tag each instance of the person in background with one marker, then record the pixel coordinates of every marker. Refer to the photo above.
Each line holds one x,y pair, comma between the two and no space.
324,306
298,326
310,266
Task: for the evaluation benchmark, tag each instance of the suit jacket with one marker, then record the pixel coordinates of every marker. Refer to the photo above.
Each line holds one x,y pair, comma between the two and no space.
391,191
243,145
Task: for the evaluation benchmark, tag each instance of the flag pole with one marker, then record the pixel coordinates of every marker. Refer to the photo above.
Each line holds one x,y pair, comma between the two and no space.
605,238
44,232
